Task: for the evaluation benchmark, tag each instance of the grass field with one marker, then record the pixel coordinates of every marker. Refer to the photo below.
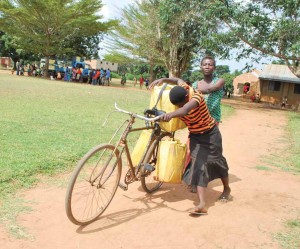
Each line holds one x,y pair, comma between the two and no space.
46,126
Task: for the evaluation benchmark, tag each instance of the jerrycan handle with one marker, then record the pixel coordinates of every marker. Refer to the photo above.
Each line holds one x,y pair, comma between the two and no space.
160,93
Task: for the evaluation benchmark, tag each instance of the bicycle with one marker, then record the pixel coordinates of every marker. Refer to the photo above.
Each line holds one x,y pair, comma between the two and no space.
96,177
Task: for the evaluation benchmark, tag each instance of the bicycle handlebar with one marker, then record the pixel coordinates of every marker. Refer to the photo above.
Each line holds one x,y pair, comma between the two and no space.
137,115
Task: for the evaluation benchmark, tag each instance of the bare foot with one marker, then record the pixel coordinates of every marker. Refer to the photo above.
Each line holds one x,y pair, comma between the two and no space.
225,196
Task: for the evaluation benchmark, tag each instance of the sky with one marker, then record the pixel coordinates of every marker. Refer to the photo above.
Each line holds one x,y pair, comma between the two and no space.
110,11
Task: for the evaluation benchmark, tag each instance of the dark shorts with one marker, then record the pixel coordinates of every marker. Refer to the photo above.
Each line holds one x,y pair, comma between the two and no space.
207,161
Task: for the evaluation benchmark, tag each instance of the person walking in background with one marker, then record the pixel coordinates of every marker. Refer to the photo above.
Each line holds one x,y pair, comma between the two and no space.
91,73
134,81
147,83
96,77
284,102
257,99
78,74
141,81
108,76
73,74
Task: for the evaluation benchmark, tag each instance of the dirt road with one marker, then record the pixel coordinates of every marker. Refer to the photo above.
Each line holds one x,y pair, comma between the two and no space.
262,201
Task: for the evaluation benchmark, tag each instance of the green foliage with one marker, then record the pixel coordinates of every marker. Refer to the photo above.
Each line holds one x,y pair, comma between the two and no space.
129,76
168,33
115,75
222,69
258,28
228,82
52,27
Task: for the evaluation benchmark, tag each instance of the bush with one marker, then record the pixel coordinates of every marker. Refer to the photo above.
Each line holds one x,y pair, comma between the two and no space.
129,76
115,75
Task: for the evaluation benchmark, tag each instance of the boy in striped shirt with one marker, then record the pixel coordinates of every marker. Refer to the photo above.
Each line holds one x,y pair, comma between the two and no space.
208,163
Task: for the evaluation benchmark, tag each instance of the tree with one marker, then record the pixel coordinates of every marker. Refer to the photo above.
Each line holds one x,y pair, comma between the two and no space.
134,40
7,48
83,46
261,28
166,32
222,69
228,86
47,27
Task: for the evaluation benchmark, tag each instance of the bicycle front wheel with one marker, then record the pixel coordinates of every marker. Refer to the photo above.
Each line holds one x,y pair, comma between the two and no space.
149,183
93,184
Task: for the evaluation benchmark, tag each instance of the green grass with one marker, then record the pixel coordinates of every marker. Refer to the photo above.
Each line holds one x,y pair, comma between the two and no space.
9,211
264,168
287,159
294,140
227,111
46,126
290,237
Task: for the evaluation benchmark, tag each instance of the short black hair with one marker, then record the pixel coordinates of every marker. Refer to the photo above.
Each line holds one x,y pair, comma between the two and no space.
208,57
177,95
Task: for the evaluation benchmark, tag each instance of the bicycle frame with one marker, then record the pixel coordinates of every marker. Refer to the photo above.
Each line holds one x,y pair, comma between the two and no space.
122,144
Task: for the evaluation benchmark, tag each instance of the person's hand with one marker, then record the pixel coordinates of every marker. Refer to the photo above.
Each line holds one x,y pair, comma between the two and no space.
166,117
157,82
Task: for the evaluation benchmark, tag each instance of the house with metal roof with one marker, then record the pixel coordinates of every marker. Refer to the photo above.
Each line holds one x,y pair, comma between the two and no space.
277,82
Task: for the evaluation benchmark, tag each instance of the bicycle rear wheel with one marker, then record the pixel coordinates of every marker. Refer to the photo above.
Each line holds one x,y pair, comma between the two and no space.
149,183
93,184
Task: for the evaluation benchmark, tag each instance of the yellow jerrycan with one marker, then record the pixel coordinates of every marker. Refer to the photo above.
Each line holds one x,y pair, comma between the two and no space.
139,148
170,161
165,104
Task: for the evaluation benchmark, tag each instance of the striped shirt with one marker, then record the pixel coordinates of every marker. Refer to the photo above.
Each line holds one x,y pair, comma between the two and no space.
198,120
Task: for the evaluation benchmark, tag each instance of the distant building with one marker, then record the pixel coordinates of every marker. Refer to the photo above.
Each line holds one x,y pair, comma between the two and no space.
251,79
276,82
6,62
98,64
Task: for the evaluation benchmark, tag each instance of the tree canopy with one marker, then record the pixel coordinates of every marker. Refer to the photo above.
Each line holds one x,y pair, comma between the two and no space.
177,31
167,32
49,27
260,28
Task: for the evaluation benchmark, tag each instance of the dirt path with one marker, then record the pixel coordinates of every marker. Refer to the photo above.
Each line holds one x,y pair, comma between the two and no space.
262,200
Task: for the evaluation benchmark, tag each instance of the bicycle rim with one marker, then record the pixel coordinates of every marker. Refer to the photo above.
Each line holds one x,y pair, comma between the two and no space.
93,184
149,183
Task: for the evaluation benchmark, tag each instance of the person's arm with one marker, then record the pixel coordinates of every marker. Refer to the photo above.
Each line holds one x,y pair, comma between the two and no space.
175,81
208,88
180,112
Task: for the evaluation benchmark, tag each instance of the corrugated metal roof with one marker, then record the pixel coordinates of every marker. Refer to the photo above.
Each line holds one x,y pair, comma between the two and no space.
279,73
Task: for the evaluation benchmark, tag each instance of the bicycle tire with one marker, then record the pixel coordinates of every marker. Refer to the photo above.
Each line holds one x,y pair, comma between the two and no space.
80,184
149,184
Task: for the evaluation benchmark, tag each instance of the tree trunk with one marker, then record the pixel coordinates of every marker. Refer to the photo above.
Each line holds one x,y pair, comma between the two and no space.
151,71
46,69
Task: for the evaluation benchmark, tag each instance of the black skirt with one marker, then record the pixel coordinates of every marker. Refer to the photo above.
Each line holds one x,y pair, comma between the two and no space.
207,162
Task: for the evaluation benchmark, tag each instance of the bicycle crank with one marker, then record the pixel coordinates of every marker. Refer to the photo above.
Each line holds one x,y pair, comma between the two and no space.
129,177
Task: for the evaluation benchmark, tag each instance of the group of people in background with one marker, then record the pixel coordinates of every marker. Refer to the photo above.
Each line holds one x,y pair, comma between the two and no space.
31,69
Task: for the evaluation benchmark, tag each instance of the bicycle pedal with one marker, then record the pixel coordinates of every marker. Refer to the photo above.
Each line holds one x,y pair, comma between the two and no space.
122,186
149,167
